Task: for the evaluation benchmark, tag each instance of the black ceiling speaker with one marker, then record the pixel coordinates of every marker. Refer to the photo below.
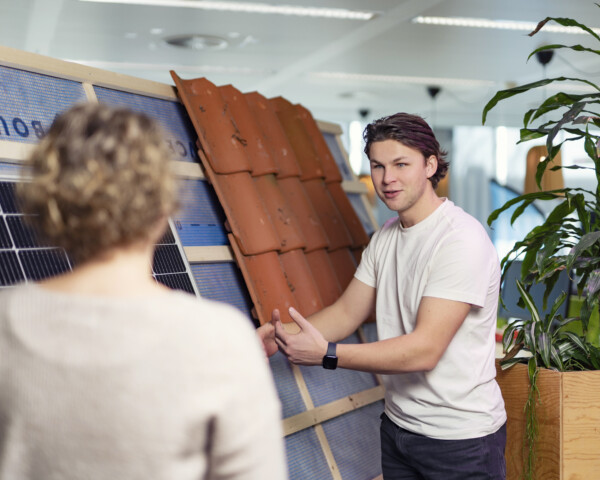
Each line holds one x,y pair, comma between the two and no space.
433,91
544,56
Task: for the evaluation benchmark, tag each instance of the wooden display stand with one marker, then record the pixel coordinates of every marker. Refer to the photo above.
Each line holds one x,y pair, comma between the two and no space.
568,414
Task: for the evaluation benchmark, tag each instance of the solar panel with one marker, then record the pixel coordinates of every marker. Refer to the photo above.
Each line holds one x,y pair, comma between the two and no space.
5,240
171,116
222,281
10,269
39,264
24,258
200,220
30,101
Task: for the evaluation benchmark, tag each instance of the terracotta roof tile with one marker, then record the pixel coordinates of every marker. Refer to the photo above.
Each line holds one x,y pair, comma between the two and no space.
252,137
246,213
301,282
308,220
267,284
275,138
329,215
218,135
350,218
281,214
295,234
308,160
325,276
330,169
344,264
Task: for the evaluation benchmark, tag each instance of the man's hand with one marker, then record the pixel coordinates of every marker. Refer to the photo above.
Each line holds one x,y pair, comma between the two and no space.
307,347
266,335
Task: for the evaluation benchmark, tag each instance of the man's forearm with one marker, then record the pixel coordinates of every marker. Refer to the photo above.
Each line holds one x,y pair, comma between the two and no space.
396,355
333,323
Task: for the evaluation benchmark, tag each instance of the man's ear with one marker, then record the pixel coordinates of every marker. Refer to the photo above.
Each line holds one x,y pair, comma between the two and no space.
431,165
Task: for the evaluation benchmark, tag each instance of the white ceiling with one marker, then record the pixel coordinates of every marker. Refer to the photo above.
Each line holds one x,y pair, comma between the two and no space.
283,55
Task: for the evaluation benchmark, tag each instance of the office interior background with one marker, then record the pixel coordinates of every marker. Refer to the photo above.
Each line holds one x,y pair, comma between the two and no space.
347,61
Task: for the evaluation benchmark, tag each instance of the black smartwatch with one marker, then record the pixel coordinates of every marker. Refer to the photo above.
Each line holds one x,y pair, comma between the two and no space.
330,359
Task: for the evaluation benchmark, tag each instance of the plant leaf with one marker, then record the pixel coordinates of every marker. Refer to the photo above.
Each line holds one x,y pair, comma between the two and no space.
565,22
529,303
510,92
577,48
585,242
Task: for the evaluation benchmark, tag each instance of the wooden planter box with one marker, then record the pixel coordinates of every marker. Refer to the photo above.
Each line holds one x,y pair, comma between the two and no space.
568,412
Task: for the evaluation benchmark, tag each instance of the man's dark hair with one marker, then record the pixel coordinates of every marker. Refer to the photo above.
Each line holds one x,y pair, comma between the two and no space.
412,131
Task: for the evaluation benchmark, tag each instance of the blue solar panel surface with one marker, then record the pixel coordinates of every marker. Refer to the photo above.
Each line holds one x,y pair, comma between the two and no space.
200,220
328,385
354,442
338,155
287,388
171,115
361,211
305,457
29,102
222,282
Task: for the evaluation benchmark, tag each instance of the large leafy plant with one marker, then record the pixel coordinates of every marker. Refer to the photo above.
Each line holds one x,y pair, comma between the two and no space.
569,238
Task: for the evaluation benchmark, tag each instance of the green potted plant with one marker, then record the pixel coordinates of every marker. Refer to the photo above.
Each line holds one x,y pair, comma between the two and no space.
568,239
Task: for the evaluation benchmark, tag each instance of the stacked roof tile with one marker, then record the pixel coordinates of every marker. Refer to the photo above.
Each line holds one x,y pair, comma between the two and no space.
294,232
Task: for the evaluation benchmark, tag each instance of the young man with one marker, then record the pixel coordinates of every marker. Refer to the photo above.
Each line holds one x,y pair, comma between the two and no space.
433,277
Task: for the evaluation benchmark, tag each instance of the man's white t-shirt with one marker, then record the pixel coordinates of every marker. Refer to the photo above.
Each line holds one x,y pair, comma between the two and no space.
447,255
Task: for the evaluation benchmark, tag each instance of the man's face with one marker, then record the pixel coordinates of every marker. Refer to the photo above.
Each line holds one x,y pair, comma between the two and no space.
400,175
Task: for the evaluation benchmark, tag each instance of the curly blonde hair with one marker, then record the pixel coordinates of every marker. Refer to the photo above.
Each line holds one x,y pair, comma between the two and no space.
100,179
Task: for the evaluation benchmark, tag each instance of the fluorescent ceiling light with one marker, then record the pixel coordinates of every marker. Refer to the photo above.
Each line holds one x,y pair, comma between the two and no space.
497,24
464,82
250,7
164,67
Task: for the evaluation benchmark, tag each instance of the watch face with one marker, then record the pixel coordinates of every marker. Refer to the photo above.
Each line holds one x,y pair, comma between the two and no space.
330,362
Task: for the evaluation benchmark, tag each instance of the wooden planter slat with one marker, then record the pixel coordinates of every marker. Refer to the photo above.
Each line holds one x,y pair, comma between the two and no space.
568,414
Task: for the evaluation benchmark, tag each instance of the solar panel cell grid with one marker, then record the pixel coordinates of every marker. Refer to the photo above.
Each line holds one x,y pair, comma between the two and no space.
167,259
222,282
176,281
23,236
10,269
40,264
8,201
24,258
5,240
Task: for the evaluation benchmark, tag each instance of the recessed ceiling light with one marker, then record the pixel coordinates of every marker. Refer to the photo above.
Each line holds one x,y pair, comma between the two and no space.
198,42
251,7
497,24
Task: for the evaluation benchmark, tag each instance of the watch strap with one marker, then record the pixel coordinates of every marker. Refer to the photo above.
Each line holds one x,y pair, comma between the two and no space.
330,359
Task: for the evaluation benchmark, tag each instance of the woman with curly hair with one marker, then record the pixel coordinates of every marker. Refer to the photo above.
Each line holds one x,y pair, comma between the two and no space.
105,373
